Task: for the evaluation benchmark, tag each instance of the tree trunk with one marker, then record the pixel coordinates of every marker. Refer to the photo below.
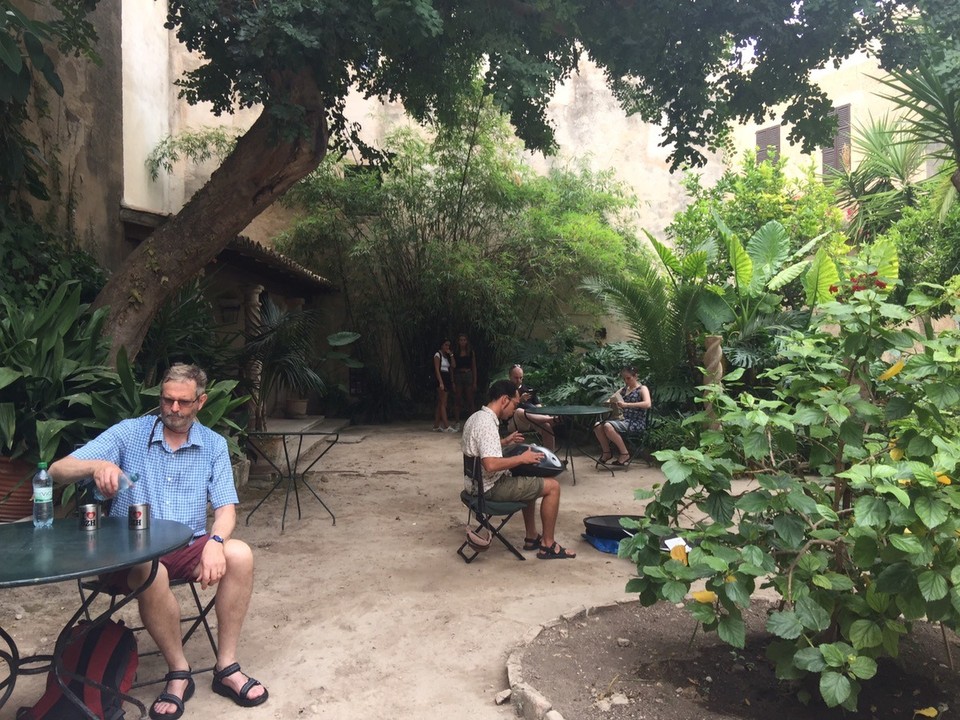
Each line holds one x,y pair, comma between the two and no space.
263,166
955,178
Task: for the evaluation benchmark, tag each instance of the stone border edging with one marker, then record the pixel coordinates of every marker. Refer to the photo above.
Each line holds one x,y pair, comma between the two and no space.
529,702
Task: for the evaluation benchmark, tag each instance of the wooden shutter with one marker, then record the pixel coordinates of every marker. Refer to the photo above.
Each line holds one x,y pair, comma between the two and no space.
768,144
838,156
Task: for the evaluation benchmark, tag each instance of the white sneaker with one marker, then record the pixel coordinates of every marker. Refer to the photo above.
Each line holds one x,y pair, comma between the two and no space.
456,428
450,430
438,429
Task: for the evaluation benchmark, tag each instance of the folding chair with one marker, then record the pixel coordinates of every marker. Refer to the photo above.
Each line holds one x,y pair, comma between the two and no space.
484,511
194,620
637,441
84,587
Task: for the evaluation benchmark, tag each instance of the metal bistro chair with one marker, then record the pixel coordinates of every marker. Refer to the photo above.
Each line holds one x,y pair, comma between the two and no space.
193,621
485,511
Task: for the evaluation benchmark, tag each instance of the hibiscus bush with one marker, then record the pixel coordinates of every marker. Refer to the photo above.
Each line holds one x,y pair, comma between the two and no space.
837,491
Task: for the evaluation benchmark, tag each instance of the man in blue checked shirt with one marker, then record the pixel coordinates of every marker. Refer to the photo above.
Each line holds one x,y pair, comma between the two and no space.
179,465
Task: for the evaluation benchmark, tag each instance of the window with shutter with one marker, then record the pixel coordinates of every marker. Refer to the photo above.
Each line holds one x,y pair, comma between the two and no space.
838,155
768,143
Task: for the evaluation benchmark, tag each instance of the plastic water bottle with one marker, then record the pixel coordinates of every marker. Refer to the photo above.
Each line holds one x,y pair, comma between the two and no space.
42,498
126,481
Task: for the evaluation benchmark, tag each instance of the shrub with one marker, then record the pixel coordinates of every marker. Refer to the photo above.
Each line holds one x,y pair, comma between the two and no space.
837,492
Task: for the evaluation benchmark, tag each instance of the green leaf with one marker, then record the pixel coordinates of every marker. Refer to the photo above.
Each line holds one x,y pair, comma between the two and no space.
906,543
785,624
898,408
740,263
737,592
674,591
863,667
931,511
871,511
732,631
811,615
933,586
754,502
790,529
821,275
675,471
893,578
339,339
810,659
702,612
768,249
719,506
10,53
865,634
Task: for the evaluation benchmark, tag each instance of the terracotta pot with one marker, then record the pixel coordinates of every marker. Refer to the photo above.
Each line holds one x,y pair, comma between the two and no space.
19,504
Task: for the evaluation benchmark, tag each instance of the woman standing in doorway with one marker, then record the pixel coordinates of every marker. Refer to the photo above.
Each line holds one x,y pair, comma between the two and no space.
443,365
465,378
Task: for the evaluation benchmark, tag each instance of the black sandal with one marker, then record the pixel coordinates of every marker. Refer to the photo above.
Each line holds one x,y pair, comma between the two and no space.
173,699
241,698
555,552
533,544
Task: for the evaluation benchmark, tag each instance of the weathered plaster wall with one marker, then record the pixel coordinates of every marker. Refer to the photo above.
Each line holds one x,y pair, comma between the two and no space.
147,105
78,135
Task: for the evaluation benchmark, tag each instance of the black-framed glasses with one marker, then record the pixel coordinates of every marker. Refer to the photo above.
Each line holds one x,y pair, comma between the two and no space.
184,404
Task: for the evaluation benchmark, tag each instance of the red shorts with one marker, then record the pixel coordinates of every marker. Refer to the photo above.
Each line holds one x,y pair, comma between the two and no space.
180,564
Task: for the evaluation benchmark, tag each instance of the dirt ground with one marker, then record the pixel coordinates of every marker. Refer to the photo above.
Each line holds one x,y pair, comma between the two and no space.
630,662
377,616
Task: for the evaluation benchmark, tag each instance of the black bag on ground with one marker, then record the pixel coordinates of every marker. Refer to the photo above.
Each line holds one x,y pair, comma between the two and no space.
107,655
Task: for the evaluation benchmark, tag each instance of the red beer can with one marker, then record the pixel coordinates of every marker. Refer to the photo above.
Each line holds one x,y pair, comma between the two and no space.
139,516
89,516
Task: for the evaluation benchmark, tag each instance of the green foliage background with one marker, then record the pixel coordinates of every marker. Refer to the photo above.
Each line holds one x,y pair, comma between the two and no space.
457,234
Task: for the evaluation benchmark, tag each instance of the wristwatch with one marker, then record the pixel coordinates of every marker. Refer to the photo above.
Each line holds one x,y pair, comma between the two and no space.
217,538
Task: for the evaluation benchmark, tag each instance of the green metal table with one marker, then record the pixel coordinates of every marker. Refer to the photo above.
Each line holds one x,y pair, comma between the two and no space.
289,475
64,552
573,412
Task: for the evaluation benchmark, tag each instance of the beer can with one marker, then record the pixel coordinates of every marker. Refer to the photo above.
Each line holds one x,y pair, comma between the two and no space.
89,516
139,516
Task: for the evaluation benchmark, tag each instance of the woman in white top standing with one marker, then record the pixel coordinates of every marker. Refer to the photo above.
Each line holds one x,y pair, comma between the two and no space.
443,366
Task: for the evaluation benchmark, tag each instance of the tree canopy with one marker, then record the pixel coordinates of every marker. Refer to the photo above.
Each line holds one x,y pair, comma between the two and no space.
690,66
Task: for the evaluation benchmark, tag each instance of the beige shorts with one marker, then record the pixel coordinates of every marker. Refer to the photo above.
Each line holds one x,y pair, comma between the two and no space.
515,489
520,423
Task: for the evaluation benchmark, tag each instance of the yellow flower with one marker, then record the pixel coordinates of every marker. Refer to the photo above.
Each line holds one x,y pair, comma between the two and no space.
707,597
730,579
944,479
930,712
679,552
893,370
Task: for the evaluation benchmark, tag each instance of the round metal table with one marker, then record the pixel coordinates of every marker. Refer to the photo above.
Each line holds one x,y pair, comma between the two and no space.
33,556
570,412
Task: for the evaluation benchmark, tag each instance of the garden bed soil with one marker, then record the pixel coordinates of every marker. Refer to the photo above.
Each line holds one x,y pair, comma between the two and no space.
627,661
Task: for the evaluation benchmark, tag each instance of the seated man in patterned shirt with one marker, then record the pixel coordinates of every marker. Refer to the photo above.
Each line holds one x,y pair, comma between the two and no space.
179,465
481,438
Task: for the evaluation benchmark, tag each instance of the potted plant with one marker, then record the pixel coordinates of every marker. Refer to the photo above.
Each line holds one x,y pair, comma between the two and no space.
53,364
284,347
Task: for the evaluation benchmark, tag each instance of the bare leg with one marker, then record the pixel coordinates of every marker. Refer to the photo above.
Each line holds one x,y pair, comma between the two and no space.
233,599
530,519
549,508
160,613
603,440
444,422
615,438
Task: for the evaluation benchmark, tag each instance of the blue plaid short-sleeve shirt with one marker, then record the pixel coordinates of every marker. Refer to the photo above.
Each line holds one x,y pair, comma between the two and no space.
176,483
